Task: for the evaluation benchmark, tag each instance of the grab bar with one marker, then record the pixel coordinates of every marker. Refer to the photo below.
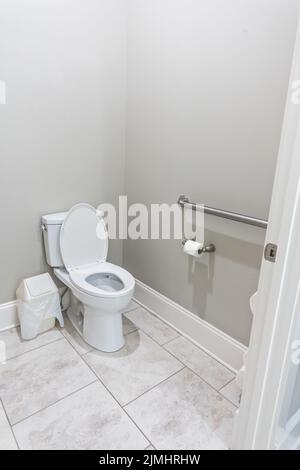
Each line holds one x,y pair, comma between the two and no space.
184,201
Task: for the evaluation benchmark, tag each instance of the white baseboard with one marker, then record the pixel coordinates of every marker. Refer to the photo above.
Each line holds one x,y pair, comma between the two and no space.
8,315
216,343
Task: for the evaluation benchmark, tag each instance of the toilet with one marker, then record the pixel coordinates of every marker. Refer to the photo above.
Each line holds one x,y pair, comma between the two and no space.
76,245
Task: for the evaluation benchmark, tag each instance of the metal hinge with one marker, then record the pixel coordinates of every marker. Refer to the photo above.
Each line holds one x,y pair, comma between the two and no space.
271,252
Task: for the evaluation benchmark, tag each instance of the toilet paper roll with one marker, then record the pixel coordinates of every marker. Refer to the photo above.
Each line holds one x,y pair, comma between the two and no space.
192,248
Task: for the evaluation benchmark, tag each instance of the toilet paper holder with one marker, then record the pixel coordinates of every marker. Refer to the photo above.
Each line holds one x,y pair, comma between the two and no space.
210,248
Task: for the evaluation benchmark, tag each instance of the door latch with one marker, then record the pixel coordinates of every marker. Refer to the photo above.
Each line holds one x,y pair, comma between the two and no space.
271,252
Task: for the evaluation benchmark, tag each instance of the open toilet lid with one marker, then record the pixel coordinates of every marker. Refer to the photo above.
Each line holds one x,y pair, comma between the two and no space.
83,237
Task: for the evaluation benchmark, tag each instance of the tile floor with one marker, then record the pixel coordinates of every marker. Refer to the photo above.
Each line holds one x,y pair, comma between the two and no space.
160,390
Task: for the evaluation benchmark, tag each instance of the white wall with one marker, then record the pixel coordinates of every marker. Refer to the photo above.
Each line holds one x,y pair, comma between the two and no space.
207,83
62,129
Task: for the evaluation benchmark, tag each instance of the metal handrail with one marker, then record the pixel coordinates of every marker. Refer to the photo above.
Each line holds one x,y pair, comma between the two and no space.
184,201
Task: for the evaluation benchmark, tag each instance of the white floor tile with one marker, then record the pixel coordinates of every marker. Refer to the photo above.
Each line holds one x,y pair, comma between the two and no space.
15,345
136,368
87,420
49,391
38,378
214,373
152,325
232,392
183,413
7,441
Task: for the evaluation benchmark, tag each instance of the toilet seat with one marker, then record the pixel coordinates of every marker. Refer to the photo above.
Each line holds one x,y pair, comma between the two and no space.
83,237
84,247
79,278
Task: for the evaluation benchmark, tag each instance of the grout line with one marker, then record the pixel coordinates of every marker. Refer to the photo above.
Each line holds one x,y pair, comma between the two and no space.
122,408
54,403
60,399
228,399
203,352
170,340
114,398
181,335
136,425
185,366
35,349
132,331
210,386
67,338
131,310
98,379
8,421
189,368
179,360
154,386
232,380
178,335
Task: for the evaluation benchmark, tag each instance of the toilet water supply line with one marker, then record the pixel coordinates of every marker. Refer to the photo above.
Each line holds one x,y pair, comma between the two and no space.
63,309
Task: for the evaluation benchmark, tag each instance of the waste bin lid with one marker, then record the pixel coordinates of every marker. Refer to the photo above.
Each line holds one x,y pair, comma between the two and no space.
40,285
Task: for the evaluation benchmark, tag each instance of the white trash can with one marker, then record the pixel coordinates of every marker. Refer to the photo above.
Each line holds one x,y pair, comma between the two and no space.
38,305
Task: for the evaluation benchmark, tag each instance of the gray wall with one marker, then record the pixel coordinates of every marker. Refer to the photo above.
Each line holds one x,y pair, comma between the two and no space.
62,129
207,83
206,86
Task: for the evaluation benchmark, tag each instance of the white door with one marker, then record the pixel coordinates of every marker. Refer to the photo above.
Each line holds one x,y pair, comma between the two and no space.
269,415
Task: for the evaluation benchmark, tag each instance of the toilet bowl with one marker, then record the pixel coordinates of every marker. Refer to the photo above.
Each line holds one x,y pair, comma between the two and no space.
76,246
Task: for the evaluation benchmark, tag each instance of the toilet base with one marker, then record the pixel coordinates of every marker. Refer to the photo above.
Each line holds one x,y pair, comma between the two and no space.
103,331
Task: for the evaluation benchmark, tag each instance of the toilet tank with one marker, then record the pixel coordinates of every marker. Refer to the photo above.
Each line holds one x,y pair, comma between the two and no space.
51,226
